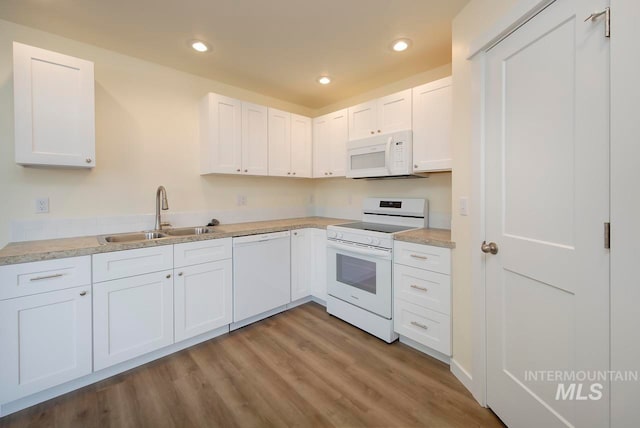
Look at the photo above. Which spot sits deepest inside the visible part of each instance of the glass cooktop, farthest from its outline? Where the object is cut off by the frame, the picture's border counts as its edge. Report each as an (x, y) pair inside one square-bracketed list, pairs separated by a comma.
[(375, 227)]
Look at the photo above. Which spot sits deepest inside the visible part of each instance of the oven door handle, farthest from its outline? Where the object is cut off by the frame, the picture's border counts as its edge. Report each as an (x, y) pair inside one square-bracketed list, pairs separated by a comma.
[(381, 254)]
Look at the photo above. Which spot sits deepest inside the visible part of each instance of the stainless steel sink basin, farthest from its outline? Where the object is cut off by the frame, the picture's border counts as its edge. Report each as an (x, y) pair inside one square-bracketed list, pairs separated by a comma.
[(187, 231), (131, 237)]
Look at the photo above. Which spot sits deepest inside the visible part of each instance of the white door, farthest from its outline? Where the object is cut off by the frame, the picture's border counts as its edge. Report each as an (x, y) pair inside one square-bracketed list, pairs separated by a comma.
[(547, 199), (300, 263), (300, 146), (432, 121), (338, 137), (279, 143), (321, 146), (363, 120), (394, 112), (255, 148), (203, 298), (221, 135), (45, 340), (54, 108), (131, 317)]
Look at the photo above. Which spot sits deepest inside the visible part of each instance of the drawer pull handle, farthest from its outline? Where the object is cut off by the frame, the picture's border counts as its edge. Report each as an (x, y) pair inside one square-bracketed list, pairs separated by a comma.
[(416, 256), (168, 276), (417, 324), (417, 287), (40, 278), (83, 293), (181, 273)]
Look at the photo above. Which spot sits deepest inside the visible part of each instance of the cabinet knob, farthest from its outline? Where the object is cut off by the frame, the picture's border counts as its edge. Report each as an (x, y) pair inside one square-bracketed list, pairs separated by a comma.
[(83, 293), (415, 166), (238, 170), (294, 173), (326, 173), (372, 132), (288, 173), (168, 276), (295, 233), (379, 131), (181, 273), (88, 160), (246, 170), (331, 173)]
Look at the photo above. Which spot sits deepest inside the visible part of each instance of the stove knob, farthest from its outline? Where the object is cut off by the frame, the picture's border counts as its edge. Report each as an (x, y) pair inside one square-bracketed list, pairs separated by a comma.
[(376, 241), (331, 234), (339, 235), (369, 241)]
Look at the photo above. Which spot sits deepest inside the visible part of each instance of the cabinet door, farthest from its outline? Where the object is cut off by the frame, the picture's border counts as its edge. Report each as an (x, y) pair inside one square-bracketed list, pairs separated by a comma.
[(338, 136), (279, 143), (319, 264), (432, 116), (203, 298), (300, 146), (363, 120), (54, 108), (321, 146), (132, 316), (220, 135), (394, 112), (300, 263), (255, 148), (45, 341)]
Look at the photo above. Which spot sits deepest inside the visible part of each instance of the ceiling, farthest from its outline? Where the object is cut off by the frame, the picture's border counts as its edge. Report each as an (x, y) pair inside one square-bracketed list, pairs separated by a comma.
[(274, 47)]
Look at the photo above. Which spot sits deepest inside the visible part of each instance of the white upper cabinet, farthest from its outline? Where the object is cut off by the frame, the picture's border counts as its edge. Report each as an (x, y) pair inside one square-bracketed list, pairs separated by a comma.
[(279, 143), (387, 114), (330, 135), (255, 148), (54, 108), (301, 146), (220, 135), (289, 144), (432, 121), (233, 136)]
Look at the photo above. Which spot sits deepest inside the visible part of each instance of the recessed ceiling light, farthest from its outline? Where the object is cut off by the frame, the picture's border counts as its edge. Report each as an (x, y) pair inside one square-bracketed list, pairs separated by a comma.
[(401, 45), (324, 80), (199, 46)]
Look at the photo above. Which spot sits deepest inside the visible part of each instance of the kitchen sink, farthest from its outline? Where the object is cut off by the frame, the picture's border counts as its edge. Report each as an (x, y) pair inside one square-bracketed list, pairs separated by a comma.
[(131, 237), (187, 231)]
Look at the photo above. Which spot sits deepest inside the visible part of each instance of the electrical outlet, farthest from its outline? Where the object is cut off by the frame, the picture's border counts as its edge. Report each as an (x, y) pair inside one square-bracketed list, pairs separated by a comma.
[(42, 205), (242, 200)]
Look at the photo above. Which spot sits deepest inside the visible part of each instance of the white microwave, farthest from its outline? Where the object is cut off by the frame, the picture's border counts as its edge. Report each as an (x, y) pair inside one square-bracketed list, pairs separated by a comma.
[(385, 155)]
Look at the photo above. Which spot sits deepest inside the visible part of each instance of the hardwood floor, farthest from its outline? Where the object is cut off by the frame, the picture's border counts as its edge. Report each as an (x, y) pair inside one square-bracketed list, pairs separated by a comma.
[(300, 368)]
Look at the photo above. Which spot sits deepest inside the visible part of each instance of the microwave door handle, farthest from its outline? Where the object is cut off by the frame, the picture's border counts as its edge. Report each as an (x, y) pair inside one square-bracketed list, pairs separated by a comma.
[(388, 154)]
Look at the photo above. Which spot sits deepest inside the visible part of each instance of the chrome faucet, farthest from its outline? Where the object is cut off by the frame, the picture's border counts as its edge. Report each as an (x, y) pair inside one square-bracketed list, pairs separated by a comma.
[(160, 193)]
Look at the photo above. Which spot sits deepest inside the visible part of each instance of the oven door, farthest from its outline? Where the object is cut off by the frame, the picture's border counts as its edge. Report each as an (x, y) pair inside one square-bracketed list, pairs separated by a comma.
[(360, 275), (368, 160)]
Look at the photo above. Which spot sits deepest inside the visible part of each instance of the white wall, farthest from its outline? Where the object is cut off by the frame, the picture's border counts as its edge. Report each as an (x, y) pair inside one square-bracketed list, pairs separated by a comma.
[(625, 228), (472, 22), (146, 135)]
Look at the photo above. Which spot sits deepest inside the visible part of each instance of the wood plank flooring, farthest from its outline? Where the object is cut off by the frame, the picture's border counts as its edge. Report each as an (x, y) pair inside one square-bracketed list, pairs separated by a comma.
[(301, 368)]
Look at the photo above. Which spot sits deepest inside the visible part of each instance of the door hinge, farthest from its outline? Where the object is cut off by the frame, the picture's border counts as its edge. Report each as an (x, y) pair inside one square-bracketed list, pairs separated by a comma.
[(607, 235), (607, 19)]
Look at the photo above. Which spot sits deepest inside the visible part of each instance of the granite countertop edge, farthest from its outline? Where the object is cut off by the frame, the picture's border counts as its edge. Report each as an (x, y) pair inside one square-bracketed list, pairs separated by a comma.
[(33, 251)]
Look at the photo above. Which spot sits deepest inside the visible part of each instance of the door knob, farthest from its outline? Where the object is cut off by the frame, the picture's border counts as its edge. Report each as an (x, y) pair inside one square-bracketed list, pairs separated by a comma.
[(491, 247)]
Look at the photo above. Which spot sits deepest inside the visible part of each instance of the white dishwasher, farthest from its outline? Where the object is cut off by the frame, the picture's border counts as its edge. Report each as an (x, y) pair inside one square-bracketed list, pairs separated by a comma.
[(261, 273)]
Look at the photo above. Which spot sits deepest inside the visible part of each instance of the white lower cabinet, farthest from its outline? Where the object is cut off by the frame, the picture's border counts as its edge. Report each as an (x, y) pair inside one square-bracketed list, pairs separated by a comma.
[(45, 340), (301, 263), (131, 317), (422, 295), (203, 292)]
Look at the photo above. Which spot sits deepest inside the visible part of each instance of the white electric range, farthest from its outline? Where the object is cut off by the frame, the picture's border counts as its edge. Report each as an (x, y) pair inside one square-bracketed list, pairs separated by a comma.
[(360, 261)]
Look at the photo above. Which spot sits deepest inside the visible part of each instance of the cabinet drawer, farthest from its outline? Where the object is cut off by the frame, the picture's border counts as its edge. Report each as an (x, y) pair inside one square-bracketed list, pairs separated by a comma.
[(193, 253), (428, 289), (25, 279), (120, 264), (435, 259), (425, 326)]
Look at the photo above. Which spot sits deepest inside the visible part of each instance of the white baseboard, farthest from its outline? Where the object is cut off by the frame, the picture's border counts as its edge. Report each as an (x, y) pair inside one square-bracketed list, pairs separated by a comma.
[(425, 349), (319, 301), (245, 322), (299, 302), (463, 376)]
